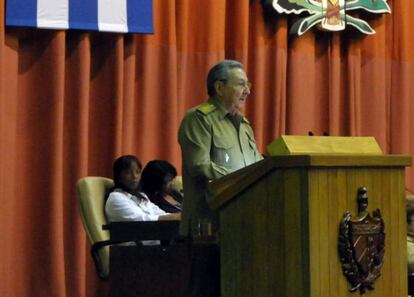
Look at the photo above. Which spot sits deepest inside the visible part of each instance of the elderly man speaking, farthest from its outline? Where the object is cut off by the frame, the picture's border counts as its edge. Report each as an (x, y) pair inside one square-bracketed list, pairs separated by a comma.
[(215, 139)]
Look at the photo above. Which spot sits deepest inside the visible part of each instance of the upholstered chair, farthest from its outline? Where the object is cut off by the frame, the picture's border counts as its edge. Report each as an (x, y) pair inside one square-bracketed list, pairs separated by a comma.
[(91, 192)]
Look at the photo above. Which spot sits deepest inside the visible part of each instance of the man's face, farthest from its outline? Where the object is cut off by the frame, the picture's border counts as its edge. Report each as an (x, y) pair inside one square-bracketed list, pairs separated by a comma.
[(235, 90)]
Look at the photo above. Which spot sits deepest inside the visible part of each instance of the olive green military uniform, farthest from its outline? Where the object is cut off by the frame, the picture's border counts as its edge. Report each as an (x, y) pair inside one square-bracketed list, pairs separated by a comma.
[(213, 144)]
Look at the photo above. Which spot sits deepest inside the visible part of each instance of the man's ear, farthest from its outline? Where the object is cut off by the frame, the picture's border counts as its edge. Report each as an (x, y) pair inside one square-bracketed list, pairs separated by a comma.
[(218, 86)]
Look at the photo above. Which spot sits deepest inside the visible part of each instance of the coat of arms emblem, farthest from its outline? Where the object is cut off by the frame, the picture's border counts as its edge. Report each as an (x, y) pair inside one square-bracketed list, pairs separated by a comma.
[(361, 245), (329, 15)]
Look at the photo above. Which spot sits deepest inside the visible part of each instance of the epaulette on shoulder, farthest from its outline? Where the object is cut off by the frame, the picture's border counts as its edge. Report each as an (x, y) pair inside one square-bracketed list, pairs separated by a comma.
[(206, 108), (244, 119)]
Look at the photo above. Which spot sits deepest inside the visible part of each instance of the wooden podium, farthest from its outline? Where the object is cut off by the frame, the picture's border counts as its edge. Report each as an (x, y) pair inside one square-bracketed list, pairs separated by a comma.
[(280, 217)]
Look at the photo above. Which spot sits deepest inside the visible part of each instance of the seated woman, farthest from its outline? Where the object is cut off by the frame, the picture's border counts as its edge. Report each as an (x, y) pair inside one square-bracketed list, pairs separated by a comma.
[(125, 202), (156, 182)]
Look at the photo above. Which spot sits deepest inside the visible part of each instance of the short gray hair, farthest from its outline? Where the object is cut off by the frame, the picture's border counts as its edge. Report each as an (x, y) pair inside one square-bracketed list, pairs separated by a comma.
[(220, 72)]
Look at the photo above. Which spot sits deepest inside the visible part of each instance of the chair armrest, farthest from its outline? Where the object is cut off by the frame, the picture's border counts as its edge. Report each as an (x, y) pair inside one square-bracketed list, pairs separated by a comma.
[(136, 231), (121, 232), (95, 248)]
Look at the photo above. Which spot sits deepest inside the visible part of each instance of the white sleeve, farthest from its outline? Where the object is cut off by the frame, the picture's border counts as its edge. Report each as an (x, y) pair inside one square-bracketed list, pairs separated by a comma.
[(121, 208), (154, 209)]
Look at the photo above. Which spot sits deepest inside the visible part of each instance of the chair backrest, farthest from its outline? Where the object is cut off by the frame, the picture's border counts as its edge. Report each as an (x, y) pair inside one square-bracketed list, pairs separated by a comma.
[(178, 183), (91, 194)]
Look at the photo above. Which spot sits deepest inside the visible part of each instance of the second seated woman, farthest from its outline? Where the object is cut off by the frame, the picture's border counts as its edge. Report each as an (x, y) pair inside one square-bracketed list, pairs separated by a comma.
[(157, 181)]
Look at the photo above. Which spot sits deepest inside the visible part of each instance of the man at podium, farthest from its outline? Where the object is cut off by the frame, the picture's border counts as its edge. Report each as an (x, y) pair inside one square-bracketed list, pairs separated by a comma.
[(215, 139)]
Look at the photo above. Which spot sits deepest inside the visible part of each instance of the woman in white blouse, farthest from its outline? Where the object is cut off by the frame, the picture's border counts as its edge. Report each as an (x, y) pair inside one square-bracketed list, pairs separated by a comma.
[(125, 202)]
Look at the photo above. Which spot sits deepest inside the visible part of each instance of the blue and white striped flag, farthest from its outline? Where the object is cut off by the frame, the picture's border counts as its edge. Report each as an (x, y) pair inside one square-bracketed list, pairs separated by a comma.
[(125, 16)]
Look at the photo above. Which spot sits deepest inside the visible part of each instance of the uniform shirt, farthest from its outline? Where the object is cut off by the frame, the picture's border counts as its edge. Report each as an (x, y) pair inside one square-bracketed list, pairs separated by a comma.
[(213, 144)]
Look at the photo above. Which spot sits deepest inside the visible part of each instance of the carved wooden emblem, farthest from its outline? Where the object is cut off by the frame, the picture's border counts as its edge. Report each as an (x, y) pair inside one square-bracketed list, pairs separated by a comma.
[(361, 245), (329, 15)]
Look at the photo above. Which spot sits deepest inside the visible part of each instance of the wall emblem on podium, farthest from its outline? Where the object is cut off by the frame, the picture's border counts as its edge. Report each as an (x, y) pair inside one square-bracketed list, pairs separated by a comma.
[(361, 245), (328, 15)]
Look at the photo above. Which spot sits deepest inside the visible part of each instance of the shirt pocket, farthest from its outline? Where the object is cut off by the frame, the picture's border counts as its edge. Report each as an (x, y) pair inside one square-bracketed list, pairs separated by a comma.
[(221, 142), (221, 150)]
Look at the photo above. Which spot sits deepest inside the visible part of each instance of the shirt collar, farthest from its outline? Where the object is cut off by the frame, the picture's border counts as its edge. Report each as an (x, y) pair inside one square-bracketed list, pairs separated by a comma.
[(129, 195), (123, 192), (219, 107), (223, 111)]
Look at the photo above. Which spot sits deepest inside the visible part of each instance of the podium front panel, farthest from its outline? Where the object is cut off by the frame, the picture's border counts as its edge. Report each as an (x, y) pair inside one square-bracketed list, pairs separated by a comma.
[(279, 236)]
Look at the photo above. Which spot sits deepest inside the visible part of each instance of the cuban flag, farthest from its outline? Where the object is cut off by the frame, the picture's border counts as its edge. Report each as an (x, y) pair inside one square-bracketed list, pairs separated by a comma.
[(124, 16)]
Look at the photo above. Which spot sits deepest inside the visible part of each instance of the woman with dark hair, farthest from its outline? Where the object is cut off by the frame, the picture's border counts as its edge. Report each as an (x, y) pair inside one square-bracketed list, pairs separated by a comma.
[(156, 182), (125, 202)]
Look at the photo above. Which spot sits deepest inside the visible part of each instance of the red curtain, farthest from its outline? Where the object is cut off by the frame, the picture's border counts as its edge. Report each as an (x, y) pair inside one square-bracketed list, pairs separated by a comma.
[(71, 102)]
